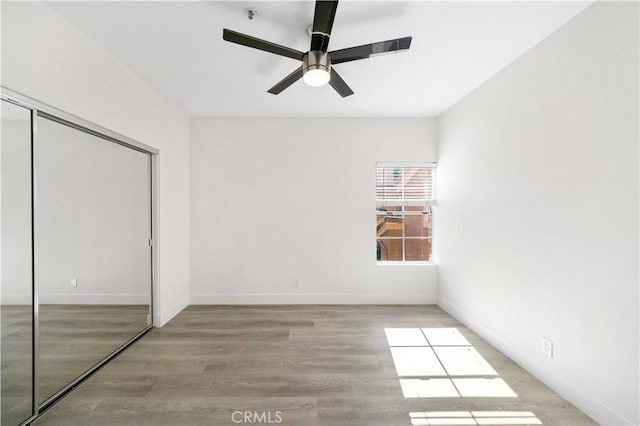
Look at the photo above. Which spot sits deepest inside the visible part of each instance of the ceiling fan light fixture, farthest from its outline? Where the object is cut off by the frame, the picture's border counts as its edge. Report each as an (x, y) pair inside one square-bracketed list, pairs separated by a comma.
[(316, 66), (316, 77)]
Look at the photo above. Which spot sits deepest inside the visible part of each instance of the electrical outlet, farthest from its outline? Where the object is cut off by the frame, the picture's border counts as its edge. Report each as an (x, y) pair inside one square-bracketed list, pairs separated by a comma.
[(74, 282), (296, 283), (547, 347)]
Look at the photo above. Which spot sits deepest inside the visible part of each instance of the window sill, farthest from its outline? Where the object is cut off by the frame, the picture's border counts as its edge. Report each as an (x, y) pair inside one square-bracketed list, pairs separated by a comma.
[(401, 263)]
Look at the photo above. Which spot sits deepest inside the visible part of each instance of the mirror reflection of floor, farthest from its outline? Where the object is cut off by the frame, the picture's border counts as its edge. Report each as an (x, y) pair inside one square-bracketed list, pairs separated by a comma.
[(73, 338), (15, 365)]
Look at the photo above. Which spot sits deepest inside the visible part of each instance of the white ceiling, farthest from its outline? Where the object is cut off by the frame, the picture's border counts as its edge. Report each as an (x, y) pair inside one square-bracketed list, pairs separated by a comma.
[(178, 48)]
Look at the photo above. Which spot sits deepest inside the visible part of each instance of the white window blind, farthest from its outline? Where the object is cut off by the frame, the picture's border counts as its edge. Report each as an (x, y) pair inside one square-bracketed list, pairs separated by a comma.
[(404, 185)]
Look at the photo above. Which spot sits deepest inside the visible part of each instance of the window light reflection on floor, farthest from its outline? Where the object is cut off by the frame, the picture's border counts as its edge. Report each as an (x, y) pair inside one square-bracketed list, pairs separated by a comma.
[(473, 418), (484, 388), (416, 361), (423, 355), (428, 388), (444, 337), (452, 388), (405, 337), (463, 361)]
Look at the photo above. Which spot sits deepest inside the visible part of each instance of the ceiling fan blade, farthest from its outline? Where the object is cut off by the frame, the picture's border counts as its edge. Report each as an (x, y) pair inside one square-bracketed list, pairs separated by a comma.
[(256, 43), (368, 50), (339, 85), (286, 82), (323, 18)]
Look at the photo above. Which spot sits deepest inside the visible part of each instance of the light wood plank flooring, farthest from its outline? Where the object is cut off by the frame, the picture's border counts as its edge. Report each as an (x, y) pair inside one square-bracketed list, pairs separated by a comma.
[(314, 365)]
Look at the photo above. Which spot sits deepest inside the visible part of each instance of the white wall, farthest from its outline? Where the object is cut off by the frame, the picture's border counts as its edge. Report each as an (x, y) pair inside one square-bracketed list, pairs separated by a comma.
[(537, 233), (45, 57), (278, 199)]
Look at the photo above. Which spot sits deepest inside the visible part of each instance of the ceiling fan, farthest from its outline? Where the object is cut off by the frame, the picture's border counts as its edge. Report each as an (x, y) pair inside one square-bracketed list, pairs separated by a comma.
[(316, 68)]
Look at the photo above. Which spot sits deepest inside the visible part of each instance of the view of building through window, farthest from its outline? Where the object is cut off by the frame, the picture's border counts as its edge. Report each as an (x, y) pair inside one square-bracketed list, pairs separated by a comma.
[(404, 195)]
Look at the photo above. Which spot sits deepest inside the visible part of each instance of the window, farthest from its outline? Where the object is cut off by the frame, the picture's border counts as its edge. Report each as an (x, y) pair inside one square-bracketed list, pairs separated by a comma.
[(404, 196)]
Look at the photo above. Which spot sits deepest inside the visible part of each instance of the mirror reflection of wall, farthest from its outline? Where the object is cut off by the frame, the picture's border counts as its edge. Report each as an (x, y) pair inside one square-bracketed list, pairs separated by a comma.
[(16, 321), (94, 258)]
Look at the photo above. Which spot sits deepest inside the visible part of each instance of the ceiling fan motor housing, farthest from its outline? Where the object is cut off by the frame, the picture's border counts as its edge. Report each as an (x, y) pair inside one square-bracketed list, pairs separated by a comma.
[(316, 60)]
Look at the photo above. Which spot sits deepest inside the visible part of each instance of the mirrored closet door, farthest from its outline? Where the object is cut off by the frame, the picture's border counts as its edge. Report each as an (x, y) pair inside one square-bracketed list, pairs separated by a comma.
[(16, 276), (76, 250), (94, 257)]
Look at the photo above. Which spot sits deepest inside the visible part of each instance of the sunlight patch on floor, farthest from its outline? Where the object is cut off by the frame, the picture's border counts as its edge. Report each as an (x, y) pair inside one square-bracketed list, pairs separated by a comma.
[(421, 355), (416, 361), (455, 418)]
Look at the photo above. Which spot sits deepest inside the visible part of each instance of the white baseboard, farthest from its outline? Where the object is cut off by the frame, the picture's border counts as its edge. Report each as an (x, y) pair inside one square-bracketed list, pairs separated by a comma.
[(165, 315), (312, 299), (92, 299), (585, 402)]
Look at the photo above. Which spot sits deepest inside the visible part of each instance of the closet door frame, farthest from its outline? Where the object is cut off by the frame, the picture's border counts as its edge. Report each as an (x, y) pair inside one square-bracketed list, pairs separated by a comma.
[(40, 109)]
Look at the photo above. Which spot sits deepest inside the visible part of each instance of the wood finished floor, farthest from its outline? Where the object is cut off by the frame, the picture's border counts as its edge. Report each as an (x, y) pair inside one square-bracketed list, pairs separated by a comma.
[(316, 365)]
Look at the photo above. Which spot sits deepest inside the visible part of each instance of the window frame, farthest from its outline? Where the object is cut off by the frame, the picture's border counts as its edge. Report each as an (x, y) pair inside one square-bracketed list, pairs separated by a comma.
[(402, 203)]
